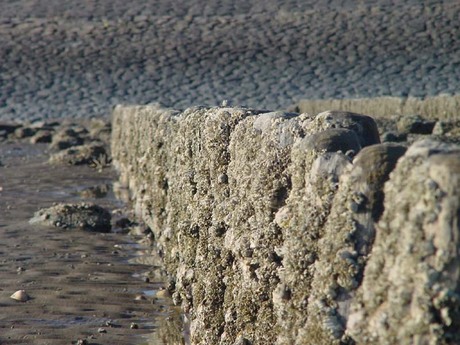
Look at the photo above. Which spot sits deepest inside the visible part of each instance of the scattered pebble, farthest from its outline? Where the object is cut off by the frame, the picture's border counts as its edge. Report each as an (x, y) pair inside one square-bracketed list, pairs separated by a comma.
[(163, 294), (91, 154), (65, 139), (134, 325), (84, 216), (24, 132), (124, 223), (109, 323), (42, 136), (20, 296)]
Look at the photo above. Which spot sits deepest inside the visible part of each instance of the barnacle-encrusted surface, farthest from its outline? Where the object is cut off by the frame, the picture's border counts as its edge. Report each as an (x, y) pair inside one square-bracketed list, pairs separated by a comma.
[(266, 222), (86, 216), (409, 293)]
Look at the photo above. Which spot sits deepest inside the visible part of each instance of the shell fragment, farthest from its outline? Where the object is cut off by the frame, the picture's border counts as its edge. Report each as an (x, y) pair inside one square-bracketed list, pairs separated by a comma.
[(20, 296)]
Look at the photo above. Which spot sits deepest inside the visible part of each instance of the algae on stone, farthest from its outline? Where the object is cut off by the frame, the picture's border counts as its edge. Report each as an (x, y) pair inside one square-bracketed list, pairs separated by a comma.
[(86, 216)]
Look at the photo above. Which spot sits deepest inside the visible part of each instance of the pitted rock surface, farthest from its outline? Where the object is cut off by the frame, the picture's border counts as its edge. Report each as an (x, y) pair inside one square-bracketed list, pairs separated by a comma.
[(83, 216), (285, 228)]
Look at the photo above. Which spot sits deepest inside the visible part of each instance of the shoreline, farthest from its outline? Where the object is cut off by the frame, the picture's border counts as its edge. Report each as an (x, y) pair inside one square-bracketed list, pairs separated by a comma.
[(82, 285)]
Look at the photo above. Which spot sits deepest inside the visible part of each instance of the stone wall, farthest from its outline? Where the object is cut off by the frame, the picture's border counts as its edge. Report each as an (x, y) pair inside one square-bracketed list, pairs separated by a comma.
[(296, 229)]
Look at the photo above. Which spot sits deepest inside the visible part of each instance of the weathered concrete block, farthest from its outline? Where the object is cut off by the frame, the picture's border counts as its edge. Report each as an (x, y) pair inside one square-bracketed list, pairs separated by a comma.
[(345, 243), (364, 126), (267, 221), (319, 161), (409, 294), (142, 144), (259, 184)]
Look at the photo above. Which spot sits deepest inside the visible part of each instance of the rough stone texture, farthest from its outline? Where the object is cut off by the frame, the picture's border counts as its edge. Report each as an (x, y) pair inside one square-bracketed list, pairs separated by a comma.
[(442, 107), (84, 216), (258, 185), (266, 222), (24, 132), (415, 124), (42, 136), (93, 153), (65, 138), (409, 293), (341, 246), (447, 128)]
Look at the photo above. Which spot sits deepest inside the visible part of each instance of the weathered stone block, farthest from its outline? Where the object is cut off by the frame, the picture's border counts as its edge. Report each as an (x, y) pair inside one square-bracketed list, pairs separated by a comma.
[(290, 229)]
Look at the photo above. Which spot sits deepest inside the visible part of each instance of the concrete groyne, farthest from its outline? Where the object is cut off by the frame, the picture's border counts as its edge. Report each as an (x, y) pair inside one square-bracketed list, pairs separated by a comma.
[(285, 228), (439, 107)]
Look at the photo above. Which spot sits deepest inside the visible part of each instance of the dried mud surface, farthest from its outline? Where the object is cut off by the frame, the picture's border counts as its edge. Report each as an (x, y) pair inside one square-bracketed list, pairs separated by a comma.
[(78, 281)]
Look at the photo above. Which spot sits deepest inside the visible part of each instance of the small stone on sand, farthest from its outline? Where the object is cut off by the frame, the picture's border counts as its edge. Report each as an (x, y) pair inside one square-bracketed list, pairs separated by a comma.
[(20, 296)]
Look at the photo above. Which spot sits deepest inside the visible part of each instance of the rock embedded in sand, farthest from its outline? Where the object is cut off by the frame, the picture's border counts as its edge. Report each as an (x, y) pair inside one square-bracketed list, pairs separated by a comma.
[(8, 128), (93, 153), (415, 124), (42, 136), (65, 138), (84, 216), (24, 132), (100, 130), (95, 192)]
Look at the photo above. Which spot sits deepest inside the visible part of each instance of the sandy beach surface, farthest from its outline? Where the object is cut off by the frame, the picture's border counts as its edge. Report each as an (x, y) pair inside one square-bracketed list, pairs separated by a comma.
[(82, 285), (79, 59)]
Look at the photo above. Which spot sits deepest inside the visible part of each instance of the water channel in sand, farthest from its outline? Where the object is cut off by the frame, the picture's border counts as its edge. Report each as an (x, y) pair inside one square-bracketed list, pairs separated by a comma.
[(82, 285)]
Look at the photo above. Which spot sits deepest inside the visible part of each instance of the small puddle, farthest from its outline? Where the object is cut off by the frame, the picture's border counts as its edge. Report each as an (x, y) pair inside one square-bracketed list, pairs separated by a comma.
[(82, 285), (150, 293)]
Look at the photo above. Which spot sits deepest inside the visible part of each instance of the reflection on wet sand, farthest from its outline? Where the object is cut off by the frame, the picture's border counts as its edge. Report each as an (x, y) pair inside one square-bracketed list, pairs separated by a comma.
[(82, 285)]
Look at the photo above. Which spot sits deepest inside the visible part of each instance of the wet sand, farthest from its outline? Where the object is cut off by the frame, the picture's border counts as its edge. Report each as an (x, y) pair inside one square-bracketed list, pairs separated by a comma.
[(80, 283), (79, 59)]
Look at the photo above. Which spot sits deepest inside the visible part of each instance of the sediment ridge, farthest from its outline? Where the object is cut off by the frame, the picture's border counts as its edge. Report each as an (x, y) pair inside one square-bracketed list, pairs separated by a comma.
[(287, 228), (68, 58)]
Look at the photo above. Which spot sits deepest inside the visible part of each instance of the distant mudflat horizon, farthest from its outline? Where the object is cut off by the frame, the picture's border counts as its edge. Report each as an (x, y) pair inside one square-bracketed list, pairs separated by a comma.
[(73, 59)]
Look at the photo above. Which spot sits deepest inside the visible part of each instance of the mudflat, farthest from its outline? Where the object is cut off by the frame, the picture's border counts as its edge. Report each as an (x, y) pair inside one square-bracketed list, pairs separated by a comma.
[(68, 58), (83, 287)]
